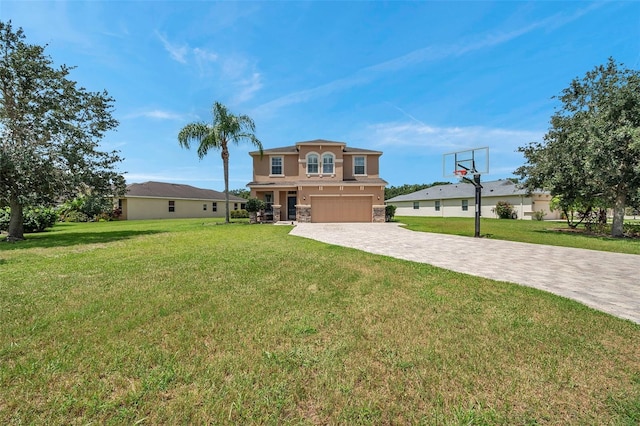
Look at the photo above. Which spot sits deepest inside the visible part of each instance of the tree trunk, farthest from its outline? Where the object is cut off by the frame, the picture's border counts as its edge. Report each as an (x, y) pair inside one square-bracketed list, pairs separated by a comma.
[(618, 215), (225, 166), (16, 224)]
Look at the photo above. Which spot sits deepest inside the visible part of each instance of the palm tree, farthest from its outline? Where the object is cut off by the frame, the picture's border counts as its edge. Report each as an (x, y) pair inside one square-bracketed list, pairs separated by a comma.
[(225, 128)]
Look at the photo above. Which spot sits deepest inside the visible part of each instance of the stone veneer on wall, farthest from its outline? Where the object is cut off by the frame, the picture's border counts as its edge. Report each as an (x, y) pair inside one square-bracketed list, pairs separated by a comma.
[(303, 213), (276, 212), (379, 214)]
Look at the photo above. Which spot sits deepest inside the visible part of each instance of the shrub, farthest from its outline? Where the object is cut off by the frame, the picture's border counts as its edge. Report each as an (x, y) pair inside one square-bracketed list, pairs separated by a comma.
[(504, 210), (631, 230), (389, 212), (74, 216), (239, 214), (86, 208), (539, 215), (34, 219), (254, 205)]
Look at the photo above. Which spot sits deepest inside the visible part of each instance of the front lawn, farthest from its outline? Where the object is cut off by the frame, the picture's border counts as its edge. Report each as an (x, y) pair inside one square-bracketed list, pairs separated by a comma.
[(189, 322)]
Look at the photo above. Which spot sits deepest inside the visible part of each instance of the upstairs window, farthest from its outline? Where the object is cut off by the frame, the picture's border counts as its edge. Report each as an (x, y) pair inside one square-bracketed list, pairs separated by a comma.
[(359, 166), (327, 164), (276, 166), (312, 164)]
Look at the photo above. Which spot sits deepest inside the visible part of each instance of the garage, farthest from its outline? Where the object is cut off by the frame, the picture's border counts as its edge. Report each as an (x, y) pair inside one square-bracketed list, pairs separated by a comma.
[(341, 209)]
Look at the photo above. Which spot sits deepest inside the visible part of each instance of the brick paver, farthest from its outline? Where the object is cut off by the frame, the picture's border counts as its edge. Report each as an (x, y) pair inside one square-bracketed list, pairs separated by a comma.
[(609, 282)]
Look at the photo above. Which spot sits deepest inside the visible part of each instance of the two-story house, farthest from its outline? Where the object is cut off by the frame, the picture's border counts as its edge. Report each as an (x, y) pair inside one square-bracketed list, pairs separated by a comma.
[(320, 181)]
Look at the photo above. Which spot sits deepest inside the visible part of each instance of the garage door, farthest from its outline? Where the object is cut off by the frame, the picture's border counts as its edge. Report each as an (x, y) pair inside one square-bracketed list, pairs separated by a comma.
[(341, 209)]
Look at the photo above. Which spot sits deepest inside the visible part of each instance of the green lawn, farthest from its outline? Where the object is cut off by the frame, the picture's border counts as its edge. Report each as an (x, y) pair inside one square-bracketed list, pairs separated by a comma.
[(526, 231), (189, 322)]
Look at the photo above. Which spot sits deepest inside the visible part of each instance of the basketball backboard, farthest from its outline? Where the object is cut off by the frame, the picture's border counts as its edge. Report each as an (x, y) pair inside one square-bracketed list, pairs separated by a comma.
[(466, 163)]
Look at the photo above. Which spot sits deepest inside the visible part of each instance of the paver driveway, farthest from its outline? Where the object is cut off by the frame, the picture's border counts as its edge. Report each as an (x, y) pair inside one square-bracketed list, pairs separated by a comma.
[(606, 281)]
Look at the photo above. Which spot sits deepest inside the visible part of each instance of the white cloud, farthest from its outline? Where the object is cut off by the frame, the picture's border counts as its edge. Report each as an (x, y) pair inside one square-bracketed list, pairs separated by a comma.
[(248, 87), (177, 52), (155, 114), (204, 55), (444, 139), (235, 70), (184, 53)]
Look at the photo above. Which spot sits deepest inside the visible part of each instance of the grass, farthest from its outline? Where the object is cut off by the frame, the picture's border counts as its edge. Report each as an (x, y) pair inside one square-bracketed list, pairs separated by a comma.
[(177, 321), (526, 231)]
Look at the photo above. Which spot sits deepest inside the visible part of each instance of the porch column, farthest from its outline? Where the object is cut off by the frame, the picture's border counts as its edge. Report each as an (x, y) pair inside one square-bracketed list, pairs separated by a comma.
[(276, 212)]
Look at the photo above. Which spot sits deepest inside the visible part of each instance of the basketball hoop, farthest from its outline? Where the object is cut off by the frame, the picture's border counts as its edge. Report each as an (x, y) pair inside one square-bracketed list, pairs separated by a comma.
[(460, 173)]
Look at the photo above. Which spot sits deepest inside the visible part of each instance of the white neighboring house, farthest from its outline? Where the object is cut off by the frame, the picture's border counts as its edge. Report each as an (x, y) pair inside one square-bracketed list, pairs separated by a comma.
[(159, 200), (458, 200)]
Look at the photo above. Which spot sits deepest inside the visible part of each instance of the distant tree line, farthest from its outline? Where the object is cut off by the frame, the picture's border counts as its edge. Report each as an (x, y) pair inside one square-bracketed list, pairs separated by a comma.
[(394, 191), (242, 193)]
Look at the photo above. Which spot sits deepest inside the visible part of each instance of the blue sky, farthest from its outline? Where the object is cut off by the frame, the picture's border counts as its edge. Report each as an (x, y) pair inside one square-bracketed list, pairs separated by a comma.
[(414, 80)]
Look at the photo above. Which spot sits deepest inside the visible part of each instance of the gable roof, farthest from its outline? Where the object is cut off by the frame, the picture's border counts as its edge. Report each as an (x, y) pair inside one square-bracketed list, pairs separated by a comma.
[(176, 190), (496, 188)]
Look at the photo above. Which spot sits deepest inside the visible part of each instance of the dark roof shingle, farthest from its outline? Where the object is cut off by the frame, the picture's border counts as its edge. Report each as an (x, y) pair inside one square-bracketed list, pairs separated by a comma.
[(496, 188), (176, 190)]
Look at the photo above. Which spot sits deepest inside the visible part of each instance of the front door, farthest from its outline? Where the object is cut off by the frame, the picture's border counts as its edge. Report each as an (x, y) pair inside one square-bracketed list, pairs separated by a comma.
[(291, 208)]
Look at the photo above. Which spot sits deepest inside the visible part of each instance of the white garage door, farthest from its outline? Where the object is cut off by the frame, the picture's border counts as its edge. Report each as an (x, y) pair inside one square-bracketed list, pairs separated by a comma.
[(341, 209)]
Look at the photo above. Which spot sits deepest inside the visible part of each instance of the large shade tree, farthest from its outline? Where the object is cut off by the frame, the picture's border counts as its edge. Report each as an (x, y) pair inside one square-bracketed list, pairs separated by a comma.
[(50, 131), (225, 128), (591, 154)]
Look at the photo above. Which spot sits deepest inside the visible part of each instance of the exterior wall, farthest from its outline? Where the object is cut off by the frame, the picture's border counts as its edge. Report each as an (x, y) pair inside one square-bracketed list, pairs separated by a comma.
[(338, 164), (372, 165), (426, 208), (524, 207), (124, 205), (262, 167), (543, 202), (158, 208), (453, 207)]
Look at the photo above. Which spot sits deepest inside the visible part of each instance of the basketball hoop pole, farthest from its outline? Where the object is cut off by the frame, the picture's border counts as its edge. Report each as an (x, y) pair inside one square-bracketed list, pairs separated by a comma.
[(476, 183)]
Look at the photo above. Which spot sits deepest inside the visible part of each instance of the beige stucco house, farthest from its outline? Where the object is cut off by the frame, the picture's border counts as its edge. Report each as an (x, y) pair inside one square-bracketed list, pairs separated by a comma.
[(320, 181), (159, 200), (458, 200)]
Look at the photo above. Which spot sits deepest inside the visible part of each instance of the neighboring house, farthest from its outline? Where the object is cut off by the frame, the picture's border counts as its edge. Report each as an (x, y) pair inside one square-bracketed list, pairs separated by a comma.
[(319, 181), (158, 200), (458, 200)]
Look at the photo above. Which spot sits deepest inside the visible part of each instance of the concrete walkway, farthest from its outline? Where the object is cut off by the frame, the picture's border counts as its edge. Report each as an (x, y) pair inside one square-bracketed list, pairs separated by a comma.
[(609, 282)]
